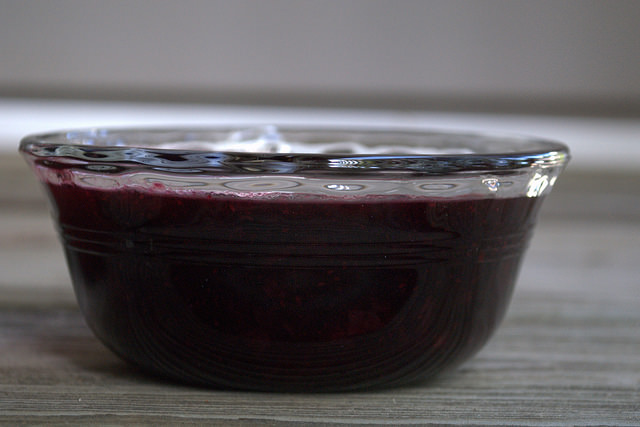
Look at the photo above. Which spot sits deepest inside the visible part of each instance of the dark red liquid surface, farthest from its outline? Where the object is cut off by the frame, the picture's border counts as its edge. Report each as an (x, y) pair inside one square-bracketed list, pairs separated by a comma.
[(291, 292)]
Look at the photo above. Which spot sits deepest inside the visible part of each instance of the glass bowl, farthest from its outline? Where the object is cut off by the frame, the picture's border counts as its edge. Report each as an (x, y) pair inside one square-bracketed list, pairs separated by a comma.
[(293, 259)]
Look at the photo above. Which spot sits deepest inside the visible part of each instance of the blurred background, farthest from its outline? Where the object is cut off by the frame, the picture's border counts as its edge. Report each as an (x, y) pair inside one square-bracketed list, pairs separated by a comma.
[(562, 69), (484, 55)]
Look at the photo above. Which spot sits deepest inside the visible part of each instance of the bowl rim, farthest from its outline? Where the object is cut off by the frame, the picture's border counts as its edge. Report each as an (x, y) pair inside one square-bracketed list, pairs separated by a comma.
[(91, 145)]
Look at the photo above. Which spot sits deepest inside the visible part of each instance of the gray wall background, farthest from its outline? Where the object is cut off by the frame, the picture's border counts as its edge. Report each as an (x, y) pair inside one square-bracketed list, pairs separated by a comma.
[(544, 56)]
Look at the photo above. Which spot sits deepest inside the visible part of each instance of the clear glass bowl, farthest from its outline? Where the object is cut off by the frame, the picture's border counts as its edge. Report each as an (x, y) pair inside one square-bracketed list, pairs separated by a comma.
[(293, 259)]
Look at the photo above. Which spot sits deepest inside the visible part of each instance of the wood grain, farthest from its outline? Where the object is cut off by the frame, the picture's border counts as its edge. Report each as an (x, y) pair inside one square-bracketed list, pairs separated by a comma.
[(568, 352)]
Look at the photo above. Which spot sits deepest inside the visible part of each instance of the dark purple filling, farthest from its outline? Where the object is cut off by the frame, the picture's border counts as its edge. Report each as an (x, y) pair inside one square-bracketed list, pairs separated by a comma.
[(291, 292)]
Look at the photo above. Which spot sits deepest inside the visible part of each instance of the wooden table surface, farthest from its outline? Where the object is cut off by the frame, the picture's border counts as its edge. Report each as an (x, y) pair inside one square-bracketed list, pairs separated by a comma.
[(568, 352)]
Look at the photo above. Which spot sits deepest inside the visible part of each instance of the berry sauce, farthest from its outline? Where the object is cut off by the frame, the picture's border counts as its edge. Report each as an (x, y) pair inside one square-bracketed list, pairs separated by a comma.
[(291, 291)]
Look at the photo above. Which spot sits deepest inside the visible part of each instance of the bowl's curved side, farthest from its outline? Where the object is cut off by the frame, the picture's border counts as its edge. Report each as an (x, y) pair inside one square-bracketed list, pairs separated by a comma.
[(292, 296)]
